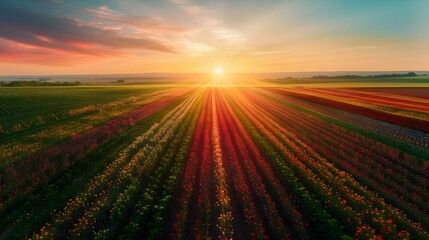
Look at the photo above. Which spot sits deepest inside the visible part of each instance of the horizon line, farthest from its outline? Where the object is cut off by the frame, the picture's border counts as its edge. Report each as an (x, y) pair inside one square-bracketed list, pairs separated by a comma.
[(227, 73)]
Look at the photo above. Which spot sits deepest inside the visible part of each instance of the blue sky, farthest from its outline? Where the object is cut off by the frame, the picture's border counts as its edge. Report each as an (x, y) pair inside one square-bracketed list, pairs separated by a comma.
[(59, 36)]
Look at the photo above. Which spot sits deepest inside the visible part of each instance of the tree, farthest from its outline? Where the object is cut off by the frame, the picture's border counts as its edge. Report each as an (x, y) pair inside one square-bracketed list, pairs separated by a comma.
[(44, 79)]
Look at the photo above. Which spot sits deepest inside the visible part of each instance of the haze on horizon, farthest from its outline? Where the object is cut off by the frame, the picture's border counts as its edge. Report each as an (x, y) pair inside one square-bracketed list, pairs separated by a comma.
[(97, 37)]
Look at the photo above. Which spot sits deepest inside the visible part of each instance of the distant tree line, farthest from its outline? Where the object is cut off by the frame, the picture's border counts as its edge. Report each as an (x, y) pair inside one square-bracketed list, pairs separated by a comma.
[(37, 83), (410, 74), (393, 75), (118, 82)]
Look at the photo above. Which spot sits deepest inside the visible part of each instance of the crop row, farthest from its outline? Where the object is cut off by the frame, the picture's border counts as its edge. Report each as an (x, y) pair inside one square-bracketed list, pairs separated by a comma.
[(20, 178), (382, 155), (414, 137), (111, 195), (413, 123), (221, 163), (241, 193), (46, 130), (375, 99), (342, 195), (289, 174)]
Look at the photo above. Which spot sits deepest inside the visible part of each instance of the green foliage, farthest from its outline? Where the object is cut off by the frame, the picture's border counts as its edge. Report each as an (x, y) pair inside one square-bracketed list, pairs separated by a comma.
[(65, 185), (394, 75), (37, 83)]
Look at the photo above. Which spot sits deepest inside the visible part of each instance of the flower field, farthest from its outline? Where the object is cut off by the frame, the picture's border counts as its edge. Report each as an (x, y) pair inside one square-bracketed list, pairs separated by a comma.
[(216, 162)]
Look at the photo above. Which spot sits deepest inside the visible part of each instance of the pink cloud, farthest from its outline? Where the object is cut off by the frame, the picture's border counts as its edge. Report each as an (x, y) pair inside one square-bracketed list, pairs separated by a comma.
[(142, 23), (15, 52), (60, 37)]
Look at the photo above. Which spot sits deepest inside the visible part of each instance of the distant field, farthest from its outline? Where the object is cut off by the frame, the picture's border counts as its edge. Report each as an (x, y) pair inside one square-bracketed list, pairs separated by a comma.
[(32, 118), (23, 103), (285, 160), (420, 92)]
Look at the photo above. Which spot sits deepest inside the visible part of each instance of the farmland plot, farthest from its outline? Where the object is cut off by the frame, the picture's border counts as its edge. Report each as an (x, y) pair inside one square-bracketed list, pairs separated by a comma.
[(222, 163)]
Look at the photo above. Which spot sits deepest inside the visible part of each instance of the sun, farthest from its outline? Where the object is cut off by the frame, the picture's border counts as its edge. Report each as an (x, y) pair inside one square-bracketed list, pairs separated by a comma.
[(219, 70)]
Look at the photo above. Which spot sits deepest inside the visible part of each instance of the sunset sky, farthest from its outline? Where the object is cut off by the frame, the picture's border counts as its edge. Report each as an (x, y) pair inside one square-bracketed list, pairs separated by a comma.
[(131, 36)]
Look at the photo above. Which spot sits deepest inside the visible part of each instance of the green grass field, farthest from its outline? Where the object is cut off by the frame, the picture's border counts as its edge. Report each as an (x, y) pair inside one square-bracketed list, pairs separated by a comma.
[(32, 118)]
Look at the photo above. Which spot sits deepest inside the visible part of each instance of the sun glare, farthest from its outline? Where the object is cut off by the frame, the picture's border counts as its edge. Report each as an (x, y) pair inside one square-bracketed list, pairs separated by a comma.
[(218, 70)]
